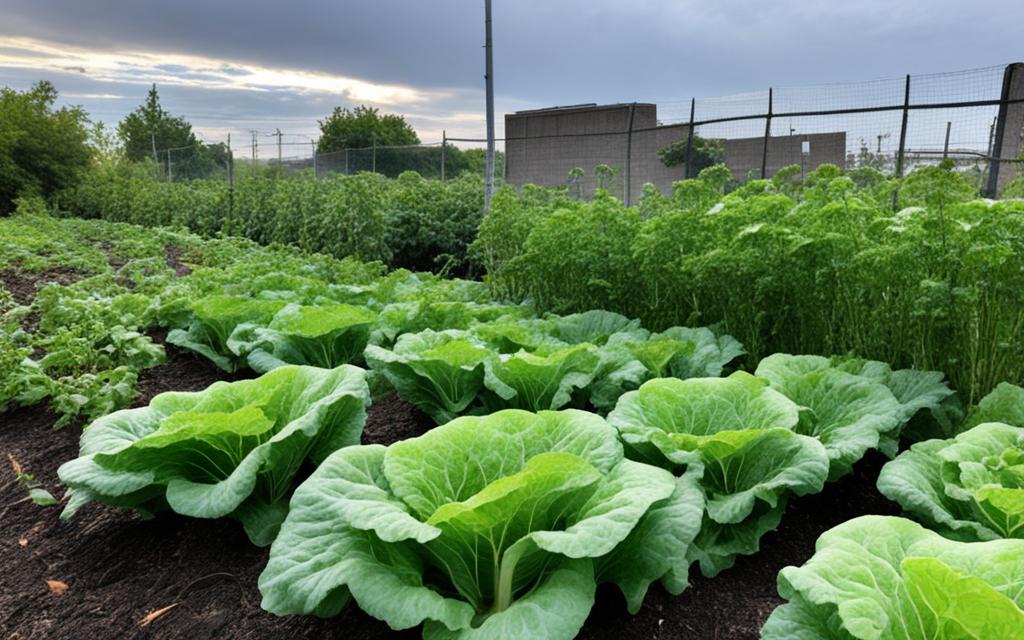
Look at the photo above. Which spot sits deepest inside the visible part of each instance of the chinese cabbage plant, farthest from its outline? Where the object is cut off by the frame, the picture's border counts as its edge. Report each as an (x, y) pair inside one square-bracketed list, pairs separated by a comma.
[(213, 321), (630, 358), (743, 435), (441, 372), (543, 363), (498, 526), (1004, 404), (884, 578), (230, 450), (968, 488), (322, 336)]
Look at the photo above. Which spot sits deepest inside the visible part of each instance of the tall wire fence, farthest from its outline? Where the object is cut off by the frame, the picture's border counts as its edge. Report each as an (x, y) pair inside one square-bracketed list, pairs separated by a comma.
[(974, 118)]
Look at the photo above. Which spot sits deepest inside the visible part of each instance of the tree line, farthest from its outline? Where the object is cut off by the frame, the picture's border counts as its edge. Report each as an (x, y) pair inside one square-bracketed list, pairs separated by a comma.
[(45, 149)]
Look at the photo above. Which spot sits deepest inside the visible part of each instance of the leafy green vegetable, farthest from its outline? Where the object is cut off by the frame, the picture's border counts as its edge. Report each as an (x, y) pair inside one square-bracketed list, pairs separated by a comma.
[(854, 405), (231, 450), (324, 337), (541, 380), (496, 526), (629, 358), (441, 372), (742, 434), (213, 321), (847, 412), (1005, 404), (968, 488), (594, 327), (878, 577), (90, 395)]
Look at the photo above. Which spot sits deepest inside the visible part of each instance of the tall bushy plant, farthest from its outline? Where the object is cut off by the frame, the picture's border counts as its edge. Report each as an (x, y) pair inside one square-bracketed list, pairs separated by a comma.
[(821, 266)]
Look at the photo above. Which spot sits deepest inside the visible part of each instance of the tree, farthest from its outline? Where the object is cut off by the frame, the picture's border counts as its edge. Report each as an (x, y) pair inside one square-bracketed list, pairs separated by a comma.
[(150, 126), (476, 162), (707, 152), (363, 127), (42, 149)]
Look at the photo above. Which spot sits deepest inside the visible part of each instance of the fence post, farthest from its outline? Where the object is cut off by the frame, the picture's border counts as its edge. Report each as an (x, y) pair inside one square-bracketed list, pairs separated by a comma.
[(767, 135), (945, 146), (629, 157), (373, 165), (903, 129), (170, 178), (444, 144), (997, 142), (231, 188), (312, 144), (687, 172), (346, 161)]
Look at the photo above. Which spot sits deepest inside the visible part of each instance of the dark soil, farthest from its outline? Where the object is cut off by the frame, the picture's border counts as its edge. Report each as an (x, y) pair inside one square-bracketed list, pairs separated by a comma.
[(115, 261), (118, 568), (23, 285), (174, 261)]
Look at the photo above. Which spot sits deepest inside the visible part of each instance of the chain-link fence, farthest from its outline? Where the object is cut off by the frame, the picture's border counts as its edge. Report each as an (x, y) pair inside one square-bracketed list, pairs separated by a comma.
[(282, 157), (974, 118)]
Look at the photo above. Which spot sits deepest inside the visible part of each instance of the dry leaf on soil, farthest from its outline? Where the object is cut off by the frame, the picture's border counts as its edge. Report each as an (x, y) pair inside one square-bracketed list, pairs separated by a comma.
[(153, 615), (57, 587)]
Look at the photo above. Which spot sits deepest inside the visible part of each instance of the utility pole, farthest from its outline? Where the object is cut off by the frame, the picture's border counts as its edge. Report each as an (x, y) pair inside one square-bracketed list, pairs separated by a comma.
[(489, 76)]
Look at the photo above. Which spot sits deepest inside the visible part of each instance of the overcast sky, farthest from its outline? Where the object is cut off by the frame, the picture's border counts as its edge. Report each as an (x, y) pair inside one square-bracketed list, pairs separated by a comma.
[(232, 66)]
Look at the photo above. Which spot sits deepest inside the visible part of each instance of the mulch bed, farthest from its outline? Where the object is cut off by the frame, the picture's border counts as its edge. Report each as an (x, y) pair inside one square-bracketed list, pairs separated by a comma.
[(118, 568)]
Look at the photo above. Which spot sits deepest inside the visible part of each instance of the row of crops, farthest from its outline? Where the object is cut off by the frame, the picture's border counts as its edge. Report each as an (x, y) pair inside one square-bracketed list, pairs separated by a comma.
[(917, 272), (827, 265), (409, 222)]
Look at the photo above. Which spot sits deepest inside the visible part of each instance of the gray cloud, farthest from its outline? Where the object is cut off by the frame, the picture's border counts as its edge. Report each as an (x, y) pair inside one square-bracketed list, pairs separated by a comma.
[(545, 52)]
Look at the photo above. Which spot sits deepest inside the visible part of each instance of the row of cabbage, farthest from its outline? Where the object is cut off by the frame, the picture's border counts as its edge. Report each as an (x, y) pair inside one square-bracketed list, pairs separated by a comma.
[(498, 358), (503, 525)]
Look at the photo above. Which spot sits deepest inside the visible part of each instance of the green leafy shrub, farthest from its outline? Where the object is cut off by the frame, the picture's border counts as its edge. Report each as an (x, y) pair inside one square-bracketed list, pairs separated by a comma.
[(231, 450), (492, 527), (819, 266)]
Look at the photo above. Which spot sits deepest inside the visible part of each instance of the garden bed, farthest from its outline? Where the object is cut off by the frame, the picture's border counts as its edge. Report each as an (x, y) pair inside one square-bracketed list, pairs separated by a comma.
[(119, 568)]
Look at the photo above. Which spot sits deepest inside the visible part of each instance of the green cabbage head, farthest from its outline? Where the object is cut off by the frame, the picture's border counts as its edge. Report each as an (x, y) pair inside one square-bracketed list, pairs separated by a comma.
[(230, 450), (968, 488), (743, 435), (213, 321), (324, 336), (487, 527), (884, 578)]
